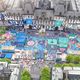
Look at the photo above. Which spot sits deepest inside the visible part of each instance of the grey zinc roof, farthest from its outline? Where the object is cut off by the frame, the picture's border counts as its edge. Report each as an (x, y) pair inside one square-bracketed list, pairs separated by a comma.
[(15, 10)]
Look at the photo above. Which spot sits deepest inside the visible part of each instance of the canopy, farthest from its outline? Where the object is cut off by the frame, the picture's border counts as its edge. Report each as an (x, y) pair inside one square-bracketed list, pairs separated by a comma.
[(58, 23), (28, 21)]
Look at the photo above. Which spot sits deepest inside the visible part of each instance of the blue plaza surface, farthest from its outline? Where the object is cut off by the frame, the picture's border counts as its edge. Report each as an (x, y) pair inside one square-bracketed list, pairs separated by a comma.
[(20, 39), (42, 34), (51, 43)]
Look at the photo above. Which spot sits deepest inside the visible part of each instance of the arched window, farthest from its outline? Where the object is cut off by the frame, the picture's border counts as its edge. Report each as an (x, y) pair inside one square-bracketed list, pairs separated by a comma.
[(69, 16), (60, 13), (53, 10), (9, 14), (37, 17), (74, 17), (27, 11), (50, 18), (14, 15), (19, 15)]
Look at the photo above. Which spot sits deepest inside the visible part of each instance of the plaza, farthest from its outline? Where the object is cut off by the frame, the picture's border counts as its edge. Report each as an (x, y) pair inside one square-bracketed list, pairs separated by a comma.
[(40, 33)]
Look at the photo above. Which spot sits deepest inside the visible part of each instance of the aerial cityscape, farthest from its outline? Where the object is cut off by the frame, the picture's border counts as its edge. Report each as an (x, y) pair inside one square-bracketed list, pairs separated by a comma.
[(39, 39)]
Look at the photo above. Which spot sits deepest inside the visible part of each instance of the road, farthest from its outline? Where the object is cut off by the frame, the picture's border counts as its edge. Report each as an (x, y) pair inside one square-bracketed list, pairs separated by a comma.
[(35, 72), (36, 69)]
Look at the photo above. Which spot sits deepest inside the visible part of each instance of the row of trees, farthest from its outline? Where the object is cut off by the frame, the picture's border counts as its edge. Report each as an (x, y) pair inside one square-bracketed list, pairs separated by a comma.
[(67, 65), (25, 75), (71, 61), (5, 60), (45, 74)]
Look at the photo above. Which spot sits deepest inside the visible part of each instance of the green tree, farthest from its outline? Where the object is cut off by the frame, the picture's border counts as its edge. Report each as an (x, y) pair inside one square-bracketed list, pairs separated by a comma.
[(8, 60), (71, 64), (65, 65), (76, 59), (58, 65), (45, 74), (5, 60), (24, 78), (2, 30), (25, 75), (70, 58), (73, 59)]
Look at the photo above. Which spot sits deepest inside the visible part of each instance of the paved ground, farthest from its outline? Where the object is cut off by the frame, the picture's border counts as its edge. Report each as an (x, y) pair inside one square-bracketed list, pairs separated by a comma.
[(36, 68), (35, 79), (35, 72)]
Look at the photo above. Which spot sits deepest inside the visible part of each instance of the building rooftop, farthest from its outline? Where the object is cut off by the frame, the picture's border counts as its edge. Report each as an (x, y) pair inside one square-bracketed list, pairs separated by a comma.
[(9, 71)]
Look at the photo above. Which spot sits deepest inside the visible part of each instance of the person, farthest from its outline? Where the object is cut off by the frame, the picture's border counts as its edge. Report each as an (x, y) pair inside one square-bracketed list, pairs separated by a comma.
[(56, 28), (63, 29)]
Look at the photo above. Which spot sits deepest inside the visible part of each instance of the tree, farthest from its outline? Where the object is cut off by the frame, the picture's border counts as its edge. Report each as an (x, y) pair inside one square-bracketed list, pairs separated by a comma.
[(68, 65), (2, 30), (25, 72), (45, 74), (58, 65), (70, 58), (73, 59), (25, 75), (5, 60), (8, 60), (76, 59), (24, 78)]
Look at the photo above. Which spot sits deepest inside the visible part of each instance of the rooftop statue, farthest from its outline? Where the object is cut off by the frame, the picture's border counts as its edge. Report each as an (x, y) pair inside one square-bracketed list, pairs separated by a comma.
[(44, 4)]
